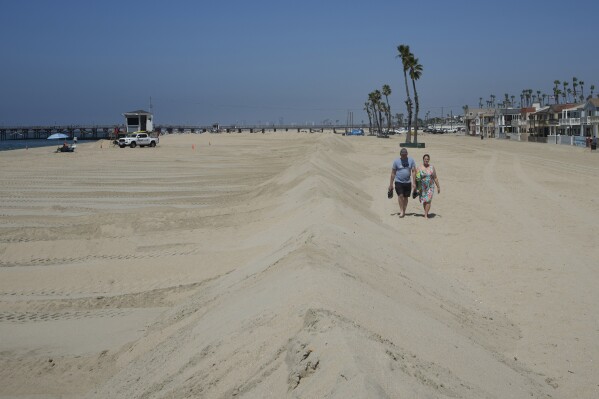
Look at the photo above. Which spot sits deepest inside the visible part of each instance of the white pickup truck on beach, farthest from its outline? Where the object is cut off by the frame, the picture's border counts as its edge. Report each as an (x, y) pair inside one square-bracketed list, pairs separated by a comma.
[(141, 139)]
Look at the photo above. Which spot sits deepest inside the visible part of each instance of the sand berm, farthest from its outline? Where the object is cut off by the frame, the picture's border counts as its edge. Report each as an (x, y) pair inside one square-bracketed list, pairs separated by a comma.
[(274, 266)]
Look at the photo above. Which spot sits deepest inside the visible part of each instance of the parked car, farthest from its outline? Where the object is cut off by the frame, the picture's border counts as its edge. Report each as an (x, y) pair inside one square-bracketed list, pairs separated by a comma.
[(355, 132)]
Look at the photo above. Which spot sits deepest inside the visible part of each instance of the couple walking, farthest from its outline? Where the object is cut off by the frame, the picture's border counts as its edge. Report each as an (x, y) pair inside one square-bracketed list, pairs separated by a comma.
[(408, 179)]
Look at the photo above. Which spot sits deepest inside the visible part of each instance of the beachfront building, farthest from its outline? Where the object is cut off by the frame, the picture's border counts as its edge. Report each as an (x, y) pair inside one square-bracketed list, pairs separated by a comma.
[(556, 123), (590, 118), (480, 121), (546, 121), (507, 122), (139, 120), (569, 121), (524, 124)]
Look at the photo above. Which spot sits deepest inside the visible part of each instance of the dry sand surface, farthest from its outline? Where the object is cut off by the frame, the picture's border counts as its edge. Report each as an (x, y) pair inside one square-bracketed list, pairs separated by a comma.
[(274, 266)]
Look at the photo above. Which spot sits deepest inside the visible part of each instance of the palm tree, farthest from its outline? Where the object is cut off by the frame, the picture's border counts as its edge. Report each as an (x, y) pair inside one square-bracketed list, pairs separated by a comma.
[(565, 92), (527, 93), (592, 89), (399, 118), (581, 83), (513, 98), (367, 109), (404, 54), (558, 93), (544, 96), (373, 100), (480, 102), (555, 91), (415, 74), (376, 95), (383, 110), (387, 93), (574, 86), (570, 94)]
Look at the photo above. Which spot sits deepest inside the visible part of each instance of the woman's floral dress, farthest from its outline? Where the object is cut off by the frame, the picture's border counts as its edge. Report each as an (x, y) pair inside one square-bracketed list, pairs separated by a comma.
[(425, 182)]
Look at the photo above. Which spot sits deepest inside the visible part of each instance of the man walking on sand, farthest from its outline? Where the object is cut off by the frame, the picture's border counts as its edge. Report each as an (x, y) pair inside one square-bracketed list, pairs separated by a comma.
[(403, 176)]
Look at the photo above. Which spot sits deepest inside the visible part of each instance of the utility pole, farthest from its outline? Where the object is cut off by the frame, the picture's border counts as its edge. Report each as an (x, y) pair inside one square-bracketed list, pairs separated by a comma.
[(442, 117)]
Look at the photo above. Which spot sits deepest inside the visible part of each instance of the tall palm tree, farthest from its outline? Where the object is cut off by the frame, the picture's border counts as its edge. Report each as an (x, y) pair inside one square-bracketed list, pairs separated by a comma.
[(399, 118), (581, 83), (383, 111), (377, 109), (574, 86), (387, 93), (555, 91), (404, 54), (558, 93), (565, 91), (592, 90), (480, 102), (415, 74), (367, 109), (373, 100), (513, 98)]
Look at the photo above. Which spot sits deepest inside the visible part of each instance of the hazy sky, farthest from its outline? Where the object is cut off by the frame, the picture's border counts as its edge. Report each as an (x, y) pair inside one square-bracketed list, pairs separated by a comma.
[(267, 61)]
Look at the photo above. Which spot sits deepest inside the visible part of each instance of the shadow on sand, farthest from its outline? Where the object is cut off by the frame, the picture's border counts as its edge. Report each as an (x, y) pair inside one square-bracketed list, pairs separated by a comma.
[(421, 215)]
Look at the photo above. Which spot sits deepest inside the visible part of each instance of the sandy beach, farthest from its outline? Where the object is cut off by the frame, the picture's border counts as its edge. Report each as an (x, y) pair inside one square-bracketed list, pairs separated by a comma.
[(274, 266)]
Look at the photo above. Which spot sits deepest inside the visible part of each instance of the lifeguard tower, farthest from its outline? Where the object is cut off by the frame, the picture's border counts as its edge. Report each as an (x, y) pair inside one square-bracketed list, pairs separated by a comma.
[(139, 121)]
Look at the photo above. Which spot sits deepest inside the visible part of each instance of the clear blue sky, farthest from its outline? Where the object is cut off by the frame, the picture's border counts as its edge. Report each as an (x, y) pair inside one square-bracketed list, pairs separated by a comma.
[(240, 61)]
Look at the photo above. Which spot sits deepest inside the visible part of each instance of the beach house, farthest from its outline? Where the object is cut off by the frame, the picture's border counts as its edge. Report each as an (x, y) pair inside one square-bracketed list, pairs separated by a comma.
[(569, 120), (546, 121), (590, 118), (508, 122), (480, 121)]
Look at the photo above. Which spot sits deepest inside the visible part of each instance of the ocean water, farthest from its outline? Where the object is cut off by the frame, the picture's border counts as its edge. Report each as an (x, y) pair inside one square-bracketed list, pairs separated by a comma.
[(6, 145)]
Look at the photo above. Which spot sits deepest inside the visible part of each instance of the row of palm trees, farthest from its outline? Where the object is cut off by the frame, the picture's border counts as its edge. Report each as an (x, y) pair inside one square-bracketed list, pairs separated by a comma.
[(379, 111), (413, 68), (528, 97), (375, 108)]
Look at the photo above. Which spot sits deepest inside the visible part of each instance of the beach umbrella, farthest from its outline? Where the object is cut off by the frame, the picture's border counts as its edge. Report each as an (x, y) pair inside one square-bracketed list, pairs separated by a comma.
[(57, 136)]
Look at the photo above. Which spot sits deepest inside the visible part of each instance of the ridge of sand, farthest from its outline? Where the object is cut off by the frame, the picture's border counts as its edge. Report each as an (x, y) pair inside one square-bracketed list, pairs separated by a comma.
[(267, 266)]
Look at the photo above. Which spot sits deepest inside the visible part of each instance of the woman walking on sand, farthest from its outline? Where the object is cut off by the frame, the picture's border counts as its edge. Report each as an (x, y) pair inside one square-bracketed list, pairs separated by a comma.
[(426, 178)]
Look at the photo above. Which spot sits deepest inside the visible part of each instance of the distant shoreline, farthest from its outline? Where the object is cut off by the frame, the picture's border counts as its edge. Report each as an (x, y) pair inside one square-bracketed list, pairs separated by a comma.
[(22, 144)]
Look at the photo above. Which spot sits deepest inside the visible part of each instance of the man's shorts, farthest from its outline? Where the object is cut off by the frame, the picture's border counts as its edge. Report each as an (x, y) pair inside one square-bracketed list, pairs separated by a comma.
[(404, 189)]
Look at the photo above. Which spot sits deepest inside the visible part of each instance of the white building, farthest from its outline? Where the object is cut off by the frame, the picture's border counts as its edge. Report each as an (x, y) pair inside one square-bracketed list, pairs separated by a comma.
[(140, 120)]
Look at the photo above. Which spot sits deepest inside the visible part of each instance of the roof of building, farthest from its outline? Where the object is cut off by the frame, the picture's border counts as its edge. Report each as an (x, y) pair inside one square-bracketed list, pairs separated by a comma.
[(138, 112), (509, 111), (594, 101), (556, 108)]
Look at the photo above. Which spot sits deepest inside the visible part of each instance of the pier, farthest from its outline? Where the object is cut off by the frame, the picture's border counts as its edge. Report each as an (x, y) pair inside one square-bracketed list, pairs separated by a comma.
[(95, 132)]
